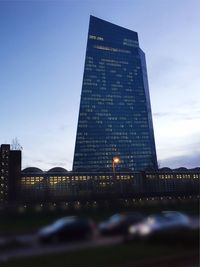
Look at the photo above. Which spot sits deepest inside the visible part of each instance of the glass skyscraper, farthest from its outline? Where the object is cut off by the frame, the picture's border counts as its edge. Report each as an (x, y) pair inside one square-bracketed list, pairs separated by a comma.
[(115, 113)]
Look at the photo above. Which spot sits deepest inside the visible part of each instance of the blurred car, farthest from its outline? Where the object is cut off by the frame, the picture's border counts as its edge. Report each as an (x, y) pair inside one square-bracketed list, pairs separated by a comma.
[(118, 223), (162, 224), (177, 219), (67, 229)]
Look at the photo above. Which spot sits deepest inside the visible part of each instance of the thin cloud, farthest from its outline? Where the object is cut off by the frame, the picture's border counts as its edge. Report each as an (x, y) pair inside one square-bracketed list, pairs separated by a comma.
[(161, 114), (179, 115)]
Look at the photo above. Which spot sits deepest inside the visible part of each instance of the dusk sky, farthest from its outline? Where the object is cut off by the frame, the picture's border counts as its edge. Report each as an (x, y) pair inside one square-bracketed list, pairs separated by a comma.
[(42, 53)]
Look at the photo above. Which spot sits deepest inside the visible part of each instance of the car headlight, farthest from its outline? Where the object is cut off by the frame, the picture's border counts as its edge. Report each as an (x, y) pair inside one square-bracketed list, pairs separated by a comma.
[(132, 230), (145, 230)]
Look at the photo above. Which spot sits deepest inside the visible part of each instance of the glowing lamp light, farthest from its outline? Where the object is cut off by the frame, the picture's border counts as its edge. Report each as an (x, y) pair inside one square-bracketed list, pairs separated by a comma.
[(116, 160)]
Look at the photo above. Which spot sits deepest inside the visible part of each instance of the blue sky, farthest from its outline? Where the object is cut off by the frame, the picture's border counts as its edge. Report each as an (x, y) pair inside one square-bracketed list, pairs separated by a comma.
[(42, 52)]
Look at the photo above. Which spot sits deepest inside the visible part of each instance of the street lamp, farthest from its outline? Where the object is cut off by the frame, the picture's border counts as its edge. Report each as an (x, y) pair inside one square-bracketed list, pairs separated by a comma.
[(116, 160)]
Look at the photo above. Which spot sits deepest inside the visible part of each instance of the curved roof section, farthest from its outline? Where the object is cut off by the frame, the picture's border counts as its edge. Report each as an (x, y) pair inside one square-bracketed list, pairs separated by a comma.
[(32, 170), (181, 169), (197, 169), (165, 169), (57, 170)]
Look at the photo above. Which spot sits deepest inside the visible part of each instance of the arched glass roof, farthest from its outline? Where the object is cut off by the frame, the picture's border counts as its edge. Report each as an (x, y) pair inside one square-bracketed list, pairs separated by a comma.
[(57, 170), (32, 170), (181, 169), (197, 169), (165, 169)]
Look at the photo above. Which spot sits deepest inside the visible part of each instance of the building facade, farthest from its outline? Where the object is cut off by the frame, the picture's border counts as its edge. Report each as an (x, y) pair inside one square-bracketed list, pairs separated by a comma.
[(10, 174), (59, 185), (32, 185), (115, 114)]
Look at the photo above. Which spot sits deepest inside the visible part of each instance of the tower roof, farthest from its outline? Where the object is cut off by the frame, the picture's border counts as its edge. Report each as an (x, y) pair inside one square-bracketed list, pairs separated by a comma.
[(102, 27)]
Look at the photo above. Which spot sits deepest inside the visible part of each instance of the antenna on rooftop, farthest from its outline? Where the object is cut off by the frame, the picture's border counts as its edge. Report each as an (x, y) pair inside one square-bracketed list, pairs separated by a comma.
[(15, 144)]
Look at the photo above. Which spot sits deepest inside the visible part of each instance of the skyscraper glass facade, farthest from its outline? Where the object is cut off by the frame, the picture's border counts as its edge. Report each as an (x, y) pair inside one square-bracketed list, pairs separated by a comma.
[(115, 114)]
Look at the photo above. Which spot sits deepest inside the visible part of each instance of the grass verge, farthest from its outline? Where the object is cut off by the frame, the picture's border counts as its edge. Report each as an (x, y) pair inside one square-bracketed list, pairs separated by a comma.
[(119, 255)]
